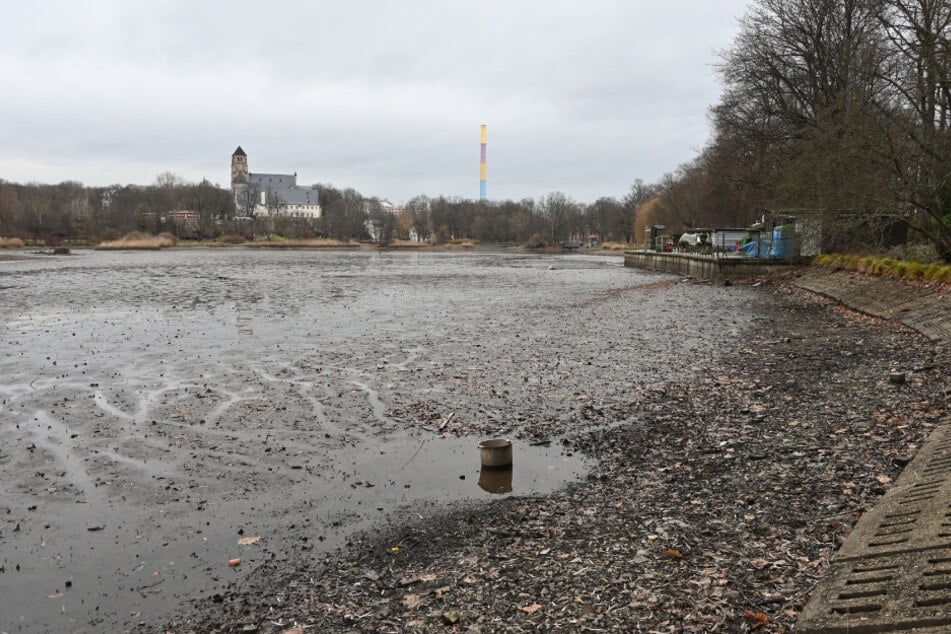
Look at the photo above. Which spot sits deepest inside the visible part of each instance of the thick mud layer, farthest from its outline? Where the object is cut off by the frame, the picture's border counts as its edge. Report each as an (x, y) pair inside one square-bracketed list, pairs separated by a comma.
[(161, 411)]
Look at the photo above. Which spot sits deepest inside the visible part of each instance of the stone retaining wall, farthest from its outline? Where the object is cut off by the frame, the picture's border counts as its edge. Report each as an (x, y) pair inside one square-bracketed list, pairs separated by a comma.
[(717, 270)]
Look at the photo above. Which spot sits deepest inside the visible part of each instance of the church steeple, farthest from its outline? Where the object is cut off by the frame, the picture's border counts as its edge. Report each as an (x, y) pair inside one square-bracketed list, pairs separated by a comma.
[(239, 171)]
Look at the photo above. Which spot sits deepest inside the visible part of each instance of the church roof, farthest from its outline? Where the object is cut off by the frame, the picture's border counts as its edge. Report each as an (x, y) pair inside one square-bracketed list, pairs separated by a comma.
[(273, 180), (299, 196), (239, 152)]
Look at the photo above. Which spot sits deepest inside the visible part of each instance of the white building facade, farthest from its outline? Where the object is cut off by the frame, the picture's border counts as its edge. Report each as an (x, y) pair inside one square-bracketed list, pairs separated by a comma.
[(264, 194)]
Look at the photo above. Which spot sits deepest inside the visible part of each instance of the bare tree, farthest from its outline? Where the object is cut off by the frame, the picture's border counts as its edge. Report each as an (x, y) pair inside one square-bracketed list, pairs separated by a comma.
[(609, 218), (247, 200), (11, 210), (170, 191), (274, 203), (563, 214), (213, 206), (917, 107), (418, 207), (799, 126), (637, 196)]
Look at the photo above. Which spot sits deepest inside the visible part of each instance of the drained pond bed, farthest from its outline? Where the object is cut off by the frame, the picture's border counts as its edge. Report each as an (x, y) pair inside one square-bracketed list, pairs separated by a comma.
[(685, 458)]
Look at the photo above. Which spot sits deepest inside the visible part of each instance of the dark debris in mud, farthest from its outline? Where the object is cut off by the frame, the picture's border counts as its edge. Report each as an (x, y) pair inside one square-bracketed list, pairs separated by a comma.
[(715, 509)]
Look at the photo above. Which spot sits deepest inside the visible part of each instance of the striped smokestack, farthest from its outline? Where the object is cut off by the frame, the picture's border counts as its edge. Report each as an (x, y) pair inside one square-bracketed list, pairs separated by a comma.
[(482, 167)]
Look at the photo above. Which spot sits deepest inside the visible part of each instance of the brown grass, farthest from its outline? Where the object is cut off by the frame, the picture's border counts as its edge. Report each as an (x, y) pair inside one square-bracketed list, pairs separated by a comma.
[(319, 243), (140, 241), (11, 243), (407, 244)]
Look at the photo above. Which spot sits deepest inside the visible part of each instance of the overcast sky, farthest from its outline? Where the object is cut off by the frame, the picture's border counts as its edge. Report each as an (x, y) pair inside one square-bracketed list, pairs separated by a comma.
[(387, 97)]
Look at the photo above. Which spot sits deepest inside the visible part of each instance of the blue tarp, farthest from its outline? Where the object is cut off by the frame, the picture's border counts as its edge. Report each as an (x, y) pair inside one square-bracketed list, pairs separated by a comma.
[(751, 249), (777, 247)]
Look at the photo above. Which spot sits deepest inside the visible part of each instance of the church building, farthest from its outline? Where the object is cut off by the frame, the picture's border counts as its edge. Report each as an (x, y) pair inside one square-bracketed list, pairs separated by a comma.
[(270, 194)]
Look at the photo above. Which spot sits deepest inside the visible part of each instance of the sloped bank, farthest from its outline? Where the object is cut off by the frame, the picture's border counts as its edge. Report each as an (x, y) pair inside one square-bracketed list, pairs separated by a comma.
[(922, 306), (716, 509)]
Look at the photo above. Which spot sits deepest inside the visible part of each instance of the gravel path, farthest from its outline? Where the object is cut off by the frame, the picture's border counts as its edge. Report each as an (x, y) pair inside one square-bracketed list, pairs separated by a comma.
[(715, 508)]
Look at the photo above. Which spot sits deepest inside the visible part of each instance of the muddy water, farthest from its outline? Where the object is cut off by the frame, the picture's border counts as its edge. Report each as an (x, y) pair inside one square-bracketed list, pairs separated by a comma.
[(158, 407)]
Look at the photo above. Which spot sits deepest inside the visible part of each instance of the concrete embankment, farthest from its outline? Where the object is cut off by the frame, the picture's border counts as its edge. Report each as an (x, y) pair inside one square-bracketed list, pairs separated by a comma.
[(703, 267), (893, 573), (925, 308)]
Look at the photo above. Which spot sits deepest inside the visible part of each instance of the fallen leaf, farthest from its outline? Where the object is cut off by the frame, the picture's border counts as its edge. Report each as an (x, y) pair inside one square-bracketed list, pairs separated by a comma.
[(759, 564), (757, 618), (451, 618), (531, 609), (674, 554), (427, 578), (883, 479), (247, 541), (412, 601)]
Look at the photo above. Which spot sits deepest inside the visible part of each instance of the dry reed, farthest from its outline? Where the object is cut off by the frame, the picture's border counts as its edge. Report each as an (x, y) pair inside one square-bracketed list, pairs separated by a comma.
[(139, 241), (301, 244)]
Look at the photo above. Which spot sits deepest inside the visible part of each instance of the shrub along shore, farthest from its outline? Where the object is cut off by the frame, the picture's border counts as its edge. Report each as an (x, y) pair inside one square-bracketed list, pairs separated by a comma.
[(886, 266)]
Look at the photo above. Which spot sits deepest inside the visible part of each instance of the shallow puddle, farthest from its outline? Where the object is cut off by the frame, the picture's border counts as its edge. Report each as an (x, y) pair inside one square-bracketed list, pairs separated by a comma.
[(450, 468), (127, 564)]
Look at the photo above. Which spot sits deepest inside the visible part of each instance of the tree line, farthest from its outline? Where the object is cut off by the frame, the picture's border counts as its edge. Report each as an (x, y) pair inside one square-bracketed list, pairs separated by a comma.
[(834, 112), (71, 211), (346, 214)]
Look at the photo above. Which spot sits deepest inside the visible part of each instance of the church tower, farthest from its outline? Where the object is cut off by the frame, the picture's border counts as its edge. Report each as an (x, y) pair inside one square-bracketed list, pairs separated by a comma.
[(240, 177)]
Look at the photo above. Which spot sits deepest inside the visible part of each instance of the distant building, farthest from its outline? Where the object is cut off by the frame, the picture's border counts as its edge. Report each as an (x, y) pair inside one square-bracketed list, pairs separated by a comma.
[(372, 204), (268, 194), (239, 172)]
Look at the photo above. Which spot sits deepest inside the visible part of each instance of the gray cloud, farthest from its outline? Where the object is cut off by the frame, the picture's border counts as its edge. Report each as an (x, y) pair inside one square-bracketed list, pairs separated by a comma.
[(386, 97)]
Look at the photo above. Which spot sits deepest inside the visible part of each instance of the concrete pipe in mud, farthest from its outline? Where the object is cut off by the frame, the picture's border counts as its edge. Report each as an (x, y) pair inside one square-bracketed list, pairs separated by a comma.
[(496, 453)]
